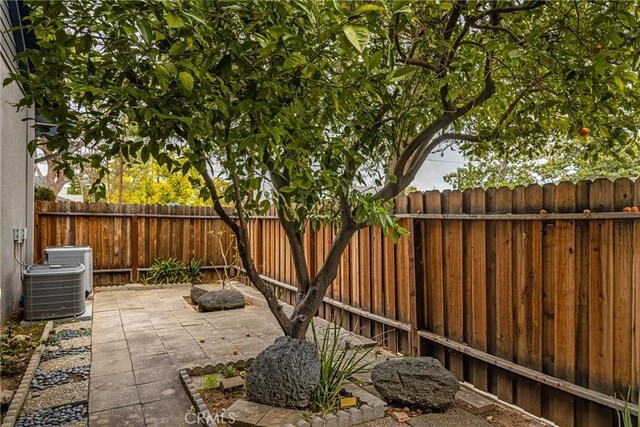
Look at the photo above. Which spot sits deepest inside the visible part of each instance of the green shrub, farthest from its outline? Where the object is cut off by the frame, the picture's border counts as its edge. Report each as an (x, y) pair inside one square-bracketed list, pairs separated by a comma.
[(337, 365), (171, 270), (43, 193), (164, 271), (193, 271)]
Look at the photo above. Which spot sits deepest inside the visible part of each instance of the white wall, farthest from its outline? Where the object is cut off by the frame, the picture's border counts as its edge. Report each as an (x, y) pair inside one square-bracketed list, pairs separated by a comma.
[(16, 175)]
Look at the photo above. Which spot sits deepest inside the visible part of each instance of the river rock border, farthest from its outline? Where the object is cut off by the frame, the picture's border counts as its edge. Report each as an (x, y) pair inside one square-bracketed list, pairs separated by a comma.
[(372, 408), (21, 394)]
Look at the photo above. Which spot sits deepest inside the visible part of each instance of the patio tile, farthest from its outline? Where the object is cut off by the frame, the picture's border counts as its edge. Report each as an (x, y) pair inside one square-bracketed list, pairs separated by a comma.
[(146, 362), (126, 416), (167, 412), (146, 350), (157, 373), (113, 398), (111, 381), (108, 346), (159, 390), (99, 339), (111, 353), (110, 366)]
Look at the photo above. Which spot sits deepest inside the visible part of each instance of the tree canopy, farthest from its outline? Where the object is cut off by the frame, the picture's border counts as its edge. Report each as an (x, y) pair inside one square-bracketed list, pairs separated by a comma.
[(316, 100), (499, 169)]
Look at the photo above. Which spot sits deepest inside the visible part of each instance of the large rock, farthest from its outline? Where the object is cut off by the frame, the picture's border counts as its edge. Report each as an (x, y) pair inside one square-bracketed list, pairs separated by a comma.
[(195, 293), (285, 374), (225, 299), (420, 381)]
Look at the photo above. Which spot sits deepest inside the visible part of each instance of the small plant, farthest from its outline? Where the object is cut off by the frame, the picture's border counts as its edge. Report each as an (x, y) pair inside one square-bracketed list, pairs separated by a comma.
[(229, 371), (210, 382), (193, 271), (337, 365), (625, 419), (12, 347), (229, 252), (165, 271)]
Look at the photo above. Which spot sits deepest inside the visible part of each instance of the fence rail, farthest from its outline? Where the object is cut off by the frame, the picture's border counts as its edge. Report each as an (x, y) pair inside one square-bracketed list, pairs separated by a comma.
[(485, 282)]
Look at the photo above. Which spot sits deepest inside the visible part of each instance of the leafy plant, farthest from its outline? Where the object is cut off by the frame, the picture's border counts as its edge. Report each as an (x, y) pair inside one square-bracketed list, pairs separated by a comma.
[(165, 271), (171, 270), (12, 347), (337, 365), (193, 271), (43, 193), (229, 371), (625, 419), (210, 382)]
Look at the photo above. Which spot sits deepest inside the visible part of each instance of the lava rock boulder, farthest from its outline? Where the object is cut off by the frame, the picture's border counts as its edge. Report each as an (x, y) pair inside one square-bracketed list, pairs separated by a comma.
[(419, 381), (285, 374), (225, 299), (195, 293)]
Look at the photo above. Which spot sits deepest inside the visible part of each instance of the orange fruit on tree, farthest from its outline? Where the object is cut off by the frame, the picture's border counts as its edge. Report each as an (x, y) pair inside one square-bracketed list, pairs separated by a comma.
[(583, 131), (626, 209), (543, 211), (634, 209)]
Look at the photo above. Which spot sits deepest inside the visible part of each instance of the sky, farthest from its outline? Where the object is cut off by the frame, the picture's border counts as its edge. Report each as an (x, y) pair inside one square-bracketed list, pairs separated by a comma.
[(436, 166)]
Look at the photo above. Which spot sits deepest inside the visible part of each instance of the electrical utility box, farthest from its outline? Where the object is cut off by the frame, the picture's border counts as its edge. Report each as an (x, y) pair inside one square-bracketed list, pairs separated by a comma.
[(52, 291), (73, 255)]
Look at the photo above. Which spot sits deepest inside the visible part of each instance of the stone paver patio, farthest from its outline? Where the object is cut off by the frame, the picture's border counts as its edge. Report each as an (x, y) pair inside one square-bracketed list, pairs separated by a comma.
[(141, 338)]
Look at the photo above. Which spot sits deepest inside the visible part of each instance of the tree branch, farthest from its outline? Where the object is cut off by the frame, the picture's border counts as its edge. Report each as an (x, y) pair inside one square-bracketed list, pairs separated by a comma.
[(512, 9)]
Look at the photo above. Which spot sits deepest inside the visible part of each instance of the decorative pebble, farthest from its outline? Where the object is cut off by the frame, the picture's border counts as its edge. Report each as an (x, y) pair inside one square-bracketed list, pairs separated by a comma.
[(44, 379), (67, 334), (53, 416), (55, 354)]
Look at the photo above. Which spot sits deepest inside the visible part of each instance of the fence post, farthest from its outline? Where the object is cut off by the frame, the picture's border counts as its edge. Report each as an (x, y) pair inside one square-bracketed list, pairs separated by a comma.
[(133, 241)]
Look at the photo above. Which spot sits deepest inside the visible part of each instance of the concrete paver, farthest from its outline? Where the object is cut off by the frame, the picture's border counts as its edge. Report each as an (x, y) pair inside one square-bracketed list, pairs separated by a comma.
[(141, 338)]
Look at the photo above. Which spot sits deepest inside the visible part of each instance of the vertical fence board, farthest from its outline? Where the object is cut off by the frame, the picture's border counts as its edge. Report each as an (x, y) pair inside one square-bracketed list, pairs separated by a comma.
[(503, 307), (601, 298), (565, 304), (453, 285)]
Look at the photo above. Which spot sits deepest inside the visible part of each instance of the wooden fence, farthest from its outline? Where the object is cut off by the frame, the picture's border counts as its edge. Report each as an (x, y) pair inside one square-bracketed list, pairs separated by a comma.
[(126, 239), (542, 310)]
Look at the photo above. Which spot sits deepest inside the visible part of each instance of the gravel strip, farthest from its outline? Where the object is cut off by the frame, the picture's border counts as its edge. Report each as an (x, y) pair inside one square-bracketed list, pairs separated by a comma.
[(55, 354), (74, 342), (54, 416), (56, 396), (45, 379), (82, 359), (73, 325), (67, 334)]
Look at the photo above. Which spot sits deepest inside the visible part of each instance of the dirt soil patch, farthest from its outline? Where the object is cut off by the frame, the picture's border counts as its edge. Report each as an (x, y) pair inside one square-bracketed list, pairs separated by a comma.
[(17, 346)]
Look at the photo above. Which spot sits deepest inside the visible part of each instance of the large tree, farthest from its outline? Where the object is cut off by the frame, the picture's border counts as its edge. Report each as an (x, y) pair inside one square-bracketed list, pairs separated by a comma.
[(314, 100)]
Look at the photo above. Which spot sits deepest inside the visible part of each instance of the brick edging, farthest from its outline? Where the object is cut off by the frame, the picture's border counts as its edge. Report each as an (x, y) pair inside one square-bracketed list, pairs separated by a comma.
[(187, 383), (373, 408), (21, 394)]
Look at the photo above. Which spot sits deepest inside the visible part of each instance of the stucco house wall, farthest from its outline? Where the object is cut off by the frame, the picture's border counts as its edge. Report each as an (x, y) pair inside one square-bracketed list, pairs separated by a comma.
[(16, 174)]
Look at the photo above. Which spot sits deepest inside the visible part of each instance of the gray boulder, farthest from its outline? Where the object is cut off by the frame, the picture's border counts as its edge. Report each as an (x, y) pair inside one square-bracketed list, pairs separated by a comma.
[(195, 293), (285, 374), (420, 381), (225, 299)]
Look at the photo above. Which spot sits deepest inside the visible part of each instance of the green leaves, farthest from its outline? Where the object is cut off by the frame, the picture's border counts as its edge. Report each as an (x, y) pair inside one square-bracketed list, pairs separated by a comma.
[(186, 79), (174, 21), (358, 36)]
